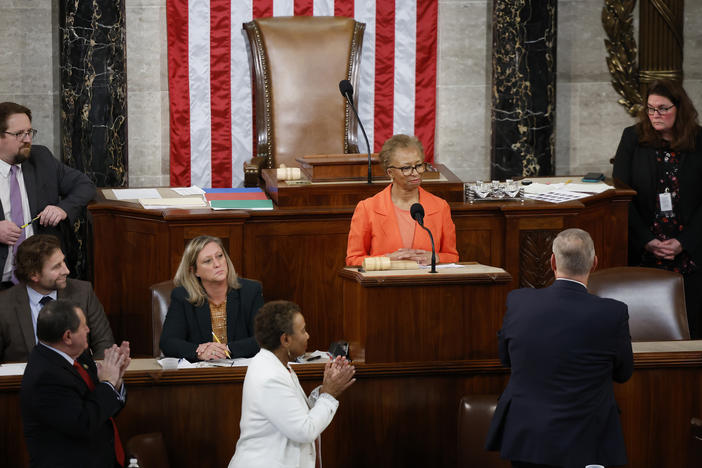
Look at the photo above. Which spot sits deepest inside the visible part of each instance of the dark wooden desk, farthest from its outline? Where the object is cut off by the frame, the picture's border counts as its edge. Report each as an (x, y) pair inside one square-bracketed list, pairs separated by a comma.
[(296, 253), (414, 315), (396, 415)]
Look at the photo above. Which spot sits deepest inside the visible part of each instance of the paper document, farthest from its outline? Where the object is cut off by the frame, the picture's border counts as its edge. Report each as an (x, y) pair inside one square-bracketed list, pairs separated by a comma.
[(13, 368), (184, 191), (589, 187), (133, 194), (163, 203)]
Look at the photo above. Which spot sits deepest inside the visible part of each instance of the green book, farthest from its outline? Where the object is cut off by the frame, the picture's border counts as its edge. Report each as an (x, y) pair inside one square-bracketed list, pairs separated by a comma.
[(241, 204)]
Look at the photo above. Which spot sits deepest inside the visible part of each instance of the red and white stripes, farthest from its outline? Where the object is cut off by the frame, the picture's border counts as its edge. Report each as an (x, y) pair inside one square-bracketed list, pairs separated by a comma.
[(211, 125)]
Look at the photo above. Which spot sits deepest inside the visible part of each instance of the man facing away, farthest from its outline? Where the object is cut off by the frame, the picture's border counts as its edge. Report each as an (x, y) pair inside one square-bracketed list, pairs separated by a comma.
[(33, 184), (68, 402), (565, 348), (43, 275)]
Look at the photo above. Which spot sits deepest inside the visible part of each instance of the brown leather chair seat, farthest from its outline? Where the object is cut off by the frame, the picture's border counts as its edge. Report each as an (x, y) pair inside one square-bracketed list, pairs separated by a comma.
[(656, 300), (160, 300), (474, 416), (148, 449)]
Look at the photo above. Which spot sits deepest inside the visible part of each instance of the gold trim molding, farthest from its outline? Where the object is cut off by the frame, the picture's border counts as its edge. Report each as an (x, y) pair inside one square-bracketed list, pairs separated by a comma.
[(618, 22)]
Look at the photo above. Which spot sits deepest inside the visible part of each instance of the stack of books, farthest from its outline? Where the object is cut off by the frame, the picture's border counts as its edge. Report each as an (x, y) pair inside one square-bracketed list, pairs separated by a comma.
[(237, 199)]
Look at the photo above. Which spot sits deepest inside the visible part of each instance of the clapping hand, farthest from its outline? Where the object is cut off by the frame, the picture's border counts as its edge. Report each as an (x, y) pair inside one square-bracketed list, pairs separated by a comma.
[(338, 376), (112, 367)]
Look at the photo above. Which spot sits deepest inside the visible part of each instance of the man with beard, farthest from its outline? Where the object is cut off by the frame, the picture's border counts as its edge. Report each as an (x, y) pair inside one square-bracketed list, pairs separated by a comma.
[(33, 184), (43, 276)]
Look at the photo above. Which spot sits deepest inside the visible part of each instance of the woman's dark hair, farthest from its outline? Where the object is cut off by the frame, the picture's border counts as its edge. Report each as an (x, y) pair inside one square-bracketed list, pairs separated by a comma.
[(274, 319), (685, 128)]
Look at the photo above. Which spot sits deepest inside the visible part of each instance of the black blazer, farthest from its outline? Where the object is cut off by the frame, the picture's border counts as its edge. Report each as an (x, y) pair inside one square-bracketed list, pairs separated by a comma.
[(66, 424), (635, 165), (565, 347), (50, 182), (187, 326)]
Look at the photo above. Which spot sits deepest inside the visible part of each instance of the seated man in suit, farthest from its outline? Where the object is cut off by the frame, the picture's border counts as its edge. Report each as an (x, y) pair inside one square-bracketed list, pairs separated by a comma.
[(68, 402), (43, 276), (565, 347)]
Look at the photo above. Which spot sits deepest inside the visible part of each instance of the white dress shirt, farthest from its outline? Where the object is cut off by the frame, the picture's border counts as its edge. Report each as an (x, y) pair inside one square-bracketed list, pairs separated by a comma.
[(279, 423), (35, 306)]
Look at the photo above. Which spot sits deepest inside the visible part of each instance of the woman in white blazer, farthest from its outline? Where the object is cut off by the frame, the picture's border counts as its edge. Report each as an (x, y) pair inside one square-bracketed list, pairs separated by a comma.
[(279, 423)]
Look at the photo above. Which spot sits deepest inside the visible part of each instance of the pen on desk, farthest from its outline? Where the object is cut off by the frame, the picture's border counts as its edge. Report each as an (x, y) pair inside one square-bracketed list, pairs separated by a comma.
[(217, 340), (314, 358), (27, 224)]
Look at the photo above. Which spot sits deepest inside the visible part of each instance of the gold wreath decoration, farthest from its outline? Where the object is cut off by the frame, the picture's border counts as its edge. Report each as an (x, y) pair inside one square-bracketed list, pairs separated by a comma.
[(618, 22)]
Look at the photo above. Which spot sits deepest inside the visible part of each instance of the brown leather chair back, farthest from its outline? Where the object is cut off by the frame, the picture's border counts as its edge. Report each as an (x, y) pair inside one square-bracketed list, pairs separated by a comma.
[(148, 449), (474, 416), (160, 300), (297, 65), (656, 300), (694, 457)]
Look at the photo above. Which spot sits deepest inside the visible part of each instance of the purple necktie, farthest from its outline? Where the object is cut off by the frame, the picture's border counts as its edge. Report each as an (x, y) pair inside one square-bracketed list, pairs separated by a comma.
[(16, 211)]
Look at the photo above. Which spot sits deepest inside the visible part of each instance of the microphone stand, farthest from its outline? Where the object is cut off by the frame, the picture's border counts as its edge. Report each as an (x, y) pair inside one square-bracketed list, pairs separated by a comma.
[(353, 108), (433, 249)]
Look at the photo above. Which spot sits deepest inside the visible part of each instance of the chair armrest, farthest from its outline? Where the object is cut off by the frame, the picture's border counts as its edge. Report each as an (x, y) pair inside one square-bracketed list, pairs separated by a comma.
[(252, 171)]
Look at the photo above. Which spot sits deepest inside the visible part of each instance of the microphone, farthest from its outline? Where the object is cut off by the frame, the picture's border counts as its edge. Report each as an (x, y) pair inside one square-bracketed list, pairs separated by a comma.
[(417, 213), (346, 89)]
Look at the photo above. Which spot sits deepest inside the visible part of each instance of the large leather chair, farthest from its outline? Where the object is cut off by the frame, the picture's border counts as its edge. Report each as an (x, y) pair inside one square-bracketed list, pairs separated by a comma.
[(160, 300), (297, 64), (148, 449), (656, 300), (474, 416), (695, 450)]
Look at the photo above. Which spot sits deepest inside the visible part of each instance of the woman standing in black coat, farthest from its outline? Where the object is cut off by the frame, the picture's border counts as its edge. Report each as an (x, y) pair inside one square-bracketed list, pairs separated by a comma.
[(661, 158)]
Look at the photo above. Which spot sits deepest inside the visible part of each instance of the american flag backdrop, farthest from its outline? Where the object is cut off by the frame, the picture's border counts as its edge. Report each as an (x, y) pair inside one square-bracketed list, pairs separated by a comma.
[(209, 79)]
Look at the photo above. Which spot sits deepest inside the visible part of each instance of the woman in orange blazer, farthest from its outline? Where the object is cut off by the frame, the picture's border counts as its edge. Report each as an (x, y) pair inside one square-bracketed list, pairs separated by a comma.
[(382, 225)]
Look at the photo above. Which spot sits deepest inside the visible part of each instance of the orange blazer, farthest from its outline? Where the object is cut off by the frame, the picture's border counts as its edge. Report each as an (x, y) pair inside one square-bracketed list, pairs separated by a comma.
[(374, 230)]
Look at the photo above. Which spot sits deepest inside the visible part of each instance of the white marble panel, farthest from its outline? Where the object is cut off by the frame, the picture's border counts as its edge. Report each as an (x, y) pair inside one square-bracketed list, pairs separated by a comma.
[(692, 30), (145, 134), (462, 130), (146, 65), (581, 53), (601, 123), (464, 43)]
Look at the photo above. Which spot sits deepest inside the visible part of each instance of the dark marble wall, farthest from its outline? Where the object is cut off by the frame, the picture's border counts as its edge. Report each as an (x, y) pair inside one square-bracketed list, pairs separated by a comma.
[(523, 88), (94, 89), (93, 96)]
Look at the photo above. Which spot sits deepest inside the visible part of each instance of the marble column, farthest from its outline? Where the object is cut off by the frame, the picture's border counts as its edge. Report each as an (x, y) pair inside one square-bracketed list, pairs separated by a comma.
[(93, 96), (523, 88), (94, 89)]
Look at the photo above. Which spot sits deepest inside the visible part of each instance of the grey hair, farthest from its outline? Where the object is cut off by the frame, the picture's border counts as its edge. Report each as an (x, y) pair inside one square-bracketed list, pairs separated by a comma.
[(396, 142), (574, 251)]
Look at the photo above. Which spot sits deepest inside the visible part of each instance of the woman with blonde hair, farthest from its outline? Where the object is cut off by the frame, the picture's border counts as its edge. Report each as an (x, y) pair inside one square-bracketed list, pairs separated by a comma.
[(212, 311)]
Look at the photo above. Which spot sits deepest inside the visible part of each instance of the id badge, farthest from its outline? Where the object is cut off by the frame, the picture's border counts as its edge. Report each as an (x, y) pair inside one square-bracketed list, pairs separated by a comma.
[(666, 201)]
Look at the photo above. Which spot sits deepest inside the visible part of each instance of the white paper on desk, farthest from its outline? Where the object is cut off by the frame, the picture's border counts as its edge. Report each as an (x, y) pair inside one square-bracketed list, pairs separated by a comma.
[(13, 368), (598, 187), (238, 362), (163, 203), (133, 194), (442, 266), (194, 190), (537, 188)]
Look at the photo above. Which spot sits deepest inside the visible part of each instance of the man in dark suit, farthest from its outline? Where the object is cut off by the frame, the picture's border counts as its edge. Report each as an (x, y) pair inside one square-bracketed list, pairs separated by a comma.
[(68, 402), (32, 184), (42, 272), (565, 347)]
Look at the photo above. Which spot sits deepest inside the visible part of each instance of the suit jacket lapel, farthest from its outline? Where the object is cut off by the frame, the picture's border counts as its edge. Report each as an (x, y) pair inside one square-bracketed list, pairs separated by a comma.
[(30, 185), (386, 213), (24, 319), (233, 307), (204, 321)]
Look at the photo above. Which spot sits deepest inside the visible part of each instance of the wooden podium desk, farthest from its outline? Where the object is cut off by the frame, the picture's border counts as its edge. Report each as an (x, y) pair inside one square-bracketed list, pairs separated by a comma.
[(395, 415), (414, 315), (297, 252)]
